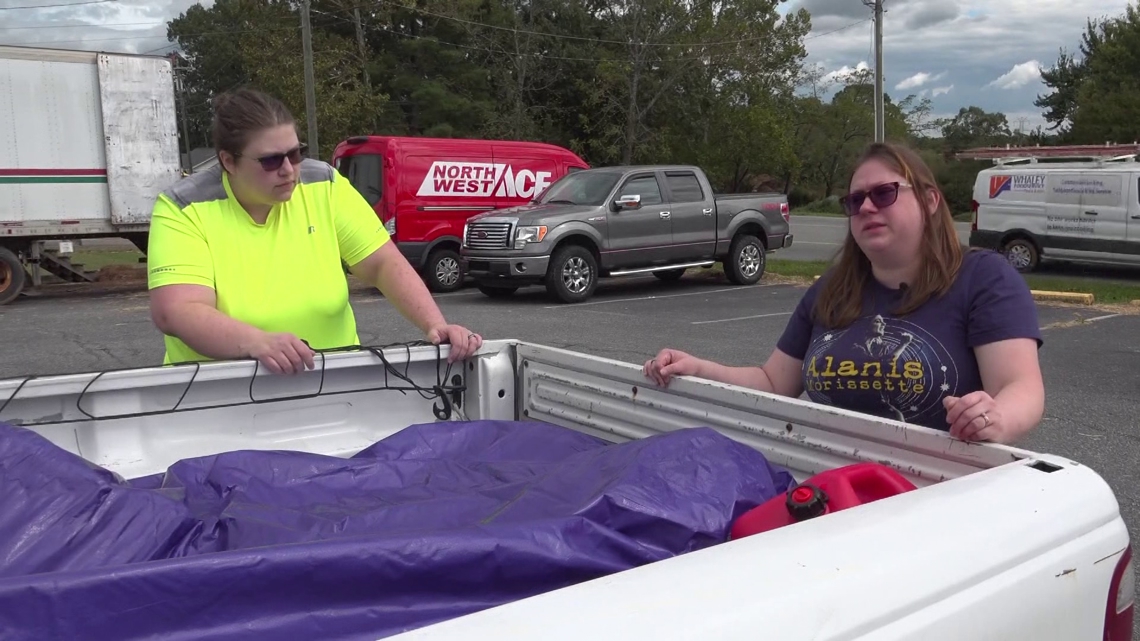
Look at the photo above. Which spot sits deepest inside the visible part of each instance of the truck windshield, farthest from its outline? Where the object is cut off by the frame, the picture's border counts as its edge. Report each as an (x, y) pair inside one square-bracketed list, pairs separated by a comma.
[(581, 188), (364, 172)]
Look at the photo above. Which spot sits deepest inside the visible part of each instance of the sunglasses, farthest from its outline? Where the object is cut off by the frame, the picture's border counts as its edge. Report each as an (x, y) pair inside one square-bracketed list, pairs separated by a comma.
[(881, 196), (273, 162)]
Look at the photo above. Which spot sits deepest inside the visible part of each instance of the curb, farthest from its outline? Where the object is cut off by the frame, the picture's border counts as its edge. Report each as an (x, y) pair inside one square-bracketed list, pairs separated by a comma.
[(1063, 297)]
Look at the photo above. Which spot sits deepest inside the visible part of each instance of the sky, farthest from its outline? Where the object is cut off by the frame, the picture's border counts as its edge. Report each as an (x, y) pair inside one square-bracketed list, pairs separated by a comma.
[(956, 52)]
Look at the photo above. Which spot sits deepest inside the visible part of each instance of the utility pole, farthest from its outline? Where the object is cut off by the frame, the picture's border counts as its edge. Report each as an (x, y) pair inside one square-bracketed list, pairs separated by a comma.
[(310, 90), (880, 109), (180, 85), (363, 57)]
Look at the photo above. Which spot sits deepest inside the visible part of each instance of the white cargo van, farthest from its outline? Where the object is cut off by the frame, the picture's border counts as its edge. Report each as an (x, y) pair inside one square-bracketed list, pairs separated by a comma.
[(1025, 207)]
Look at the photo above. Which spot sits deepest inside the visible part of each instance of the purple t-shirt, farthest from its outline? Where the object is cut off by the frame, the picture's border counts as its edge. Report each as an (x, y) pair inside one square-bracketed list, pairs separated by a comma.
[(902, 368)]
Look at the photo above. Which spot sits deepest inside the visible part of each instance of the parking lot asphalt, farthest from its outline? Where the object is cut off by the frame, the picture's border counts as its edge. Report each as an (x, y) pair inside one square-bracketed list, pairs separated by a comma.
[(1089, 358)]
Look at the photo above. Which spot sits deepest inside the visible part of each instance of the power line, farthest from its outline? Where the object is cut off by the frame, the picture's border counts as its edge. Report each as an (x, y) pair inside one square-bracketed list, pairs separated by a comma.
[(52, 6)]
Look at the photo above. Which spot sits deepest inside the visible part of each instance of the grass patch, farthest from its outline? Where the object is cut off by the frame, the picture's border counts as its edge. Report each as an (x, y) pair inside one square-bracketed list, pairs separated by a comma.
[(804, 268), (1107, 292), (964, 217), (95, 260)]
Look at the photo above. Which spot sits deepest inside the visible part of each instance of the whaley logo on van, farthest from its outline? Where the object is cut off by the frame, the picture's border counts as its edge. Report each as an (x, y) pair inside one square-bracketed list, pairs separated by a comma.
[(482, 180), (1017, 182)]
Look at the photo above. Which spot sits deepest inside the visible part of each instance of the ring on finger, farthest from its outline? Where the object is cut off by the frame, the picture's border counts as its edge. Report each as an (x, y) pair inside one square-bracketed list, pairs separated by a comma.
[(986, 418)]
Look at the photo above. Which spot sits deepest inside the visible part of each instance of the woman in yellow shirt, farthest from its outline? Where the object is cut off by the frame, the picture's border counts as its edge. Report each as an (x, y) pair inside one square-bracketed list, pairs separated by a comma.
[(244, 259)]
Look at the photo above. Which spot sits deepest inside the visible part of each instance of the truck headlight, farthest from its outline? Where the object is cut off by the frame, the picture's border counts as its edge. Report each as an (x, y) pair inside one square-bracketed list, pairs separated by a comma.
[(463, 241), (524, 235)]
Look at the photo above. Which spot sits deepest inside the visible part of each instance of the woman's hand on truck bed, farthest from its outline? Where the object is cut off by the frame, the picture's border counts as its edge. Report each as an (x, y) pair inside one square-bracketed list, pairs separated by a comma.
[(282, 353), (463, 341), (669, 363)]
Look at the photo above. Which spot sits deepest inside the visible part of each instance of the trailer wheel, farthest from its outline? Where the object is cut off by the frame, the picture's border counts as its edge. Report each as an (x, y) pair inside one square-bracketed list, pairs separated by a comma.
[(12, 276)]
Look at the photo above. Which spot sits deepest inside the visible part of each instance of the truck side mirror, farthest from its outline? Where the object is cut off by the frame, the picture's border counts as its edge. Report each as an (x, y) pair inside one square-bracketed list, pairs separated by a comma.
[(628, 201)]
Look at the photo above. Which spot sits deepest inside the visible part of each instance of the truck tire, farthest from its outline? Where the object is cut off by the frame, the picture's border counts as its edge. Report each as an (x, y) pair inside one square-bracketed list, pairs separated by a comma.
[(443, 271), (494, 291), (572, 274), (746, 260), (12, 276), (670, 275), (1022, 254)]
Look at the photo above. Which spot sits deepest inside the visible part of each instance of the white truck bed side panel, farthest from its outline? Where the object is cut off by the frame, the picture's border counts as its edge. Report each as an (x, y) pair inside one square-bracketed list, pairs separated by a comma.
[(52, 161), (614, 400), (134, 432), (141, 132)]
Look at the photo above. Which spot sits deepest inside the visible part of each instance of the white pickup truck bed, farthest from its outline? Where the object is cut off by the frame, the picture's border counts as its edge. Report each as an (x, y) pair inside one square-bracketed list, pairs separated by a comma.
[(997, 542)]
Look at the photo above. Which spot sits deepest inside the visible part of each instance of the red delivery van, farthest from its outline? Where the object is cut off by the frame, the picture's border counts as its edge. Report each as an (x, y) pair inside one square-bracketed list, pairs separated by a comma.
[(425, 189)]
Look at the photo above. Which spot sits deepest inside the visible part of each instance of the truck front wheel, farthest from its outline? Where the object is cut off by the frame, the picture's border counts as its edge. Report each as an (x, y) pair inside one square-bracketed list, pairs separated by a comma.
[(572, 274), (12, 276), (746, 260)]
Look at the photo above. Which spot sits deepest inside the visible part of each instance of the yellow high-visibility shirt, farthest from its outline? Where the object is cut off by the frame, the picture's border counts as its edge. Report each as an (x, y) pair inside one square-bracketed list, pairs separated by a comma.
[(282, 276)]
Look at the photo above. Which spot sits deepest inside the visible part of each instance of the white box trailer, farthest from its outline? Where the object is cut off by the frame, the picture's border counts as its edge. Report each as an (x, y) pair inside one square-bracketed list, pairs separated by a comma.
[(997, 542), (87, 140)]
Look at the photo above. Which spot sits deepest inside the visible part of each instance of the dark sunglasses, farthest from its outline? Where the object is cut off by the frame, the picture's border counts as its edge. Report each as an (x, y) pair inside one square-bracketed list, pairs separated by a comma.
[(883, 195), (273, 162)]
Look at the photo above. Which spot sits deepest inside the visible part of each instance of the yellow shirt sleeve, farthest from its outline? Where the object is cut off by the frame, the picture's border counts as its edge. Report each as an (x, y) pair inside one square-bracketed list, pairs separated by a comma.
[(358, 229), (177, 252)]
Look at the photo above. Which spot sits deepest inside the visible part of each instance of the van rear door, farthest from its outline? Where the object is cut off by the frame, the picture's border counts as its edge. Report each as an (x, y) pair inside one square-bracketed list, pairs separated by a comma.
[(1132, 210), (1084, 207), (366, 172)]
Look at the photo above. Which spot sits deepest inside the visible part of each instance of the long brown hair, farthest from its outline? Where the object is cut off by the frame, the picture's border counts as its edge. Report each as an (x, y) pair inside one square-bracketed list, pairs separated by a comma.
[(840, 299)]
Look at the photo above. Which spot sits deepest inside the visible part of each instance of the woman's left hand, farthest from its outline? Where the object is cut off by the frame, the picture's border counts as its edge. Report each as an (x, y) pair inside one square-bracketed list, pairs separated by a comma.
[(463, 341), (975, 417)]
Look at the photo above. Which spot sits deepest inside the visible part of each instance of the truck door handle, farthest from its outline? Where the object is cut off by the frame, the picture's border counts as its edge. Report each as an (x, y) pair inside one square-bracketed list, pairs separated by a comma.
[(1136, 218), (664, 214), (1091, 213), (707, 212)]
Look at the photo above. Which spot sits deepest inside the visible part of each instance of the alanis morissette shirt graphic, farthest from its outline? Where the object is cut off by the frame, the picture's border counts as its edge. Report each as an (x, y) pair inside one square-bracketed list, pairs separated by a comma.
[(901, 368)]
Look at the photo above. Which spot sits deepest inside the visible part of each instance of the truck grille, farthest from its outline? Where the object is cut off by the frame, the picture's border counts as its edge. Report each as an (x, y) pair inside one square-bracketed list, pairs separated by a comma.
[(488, 235)]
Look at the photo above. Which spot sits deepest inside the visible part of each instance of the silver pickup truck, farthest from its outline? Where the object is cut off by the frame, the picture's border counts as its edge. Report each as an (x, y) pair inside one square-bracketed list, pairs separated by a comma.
[(619, 221)]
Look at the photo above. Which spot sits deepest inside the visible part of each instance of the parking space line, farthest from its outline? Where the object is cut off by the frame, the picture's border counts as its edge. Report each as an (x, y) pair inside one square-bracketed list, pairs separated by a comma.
[(1100, 318), (626, 300), (740, 318)]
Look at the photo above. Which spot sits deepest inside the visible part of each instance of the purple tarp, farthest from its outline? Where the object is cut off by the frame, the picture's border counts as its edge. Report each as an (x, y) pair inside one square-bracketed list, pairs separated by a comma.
[(436, 521)]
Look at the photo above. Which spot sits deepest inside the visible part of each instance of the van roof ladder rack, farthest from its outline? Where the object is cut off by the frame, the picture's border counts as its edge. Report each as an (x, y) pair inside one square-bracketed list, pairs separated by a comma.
[(1096, 155)]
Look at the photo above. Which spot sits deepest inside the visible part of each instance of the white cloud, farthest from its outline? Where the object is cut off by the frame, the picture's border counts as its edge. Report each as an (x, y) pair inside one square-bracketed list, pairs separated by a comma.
[(918, 79), (983, 42), (843, 72), (1019, 76)]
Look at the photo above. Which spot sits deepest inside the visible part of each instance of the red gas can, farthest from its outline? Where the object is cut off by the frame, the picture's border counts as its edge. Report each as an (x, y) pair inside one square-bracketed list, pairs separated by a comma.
[(821, 494)]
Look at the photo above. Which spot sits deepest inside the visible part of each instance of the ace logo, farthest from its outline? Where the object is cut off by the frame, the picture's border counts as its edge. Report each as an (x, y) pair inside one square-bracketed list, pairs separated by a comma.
[(482, 180)]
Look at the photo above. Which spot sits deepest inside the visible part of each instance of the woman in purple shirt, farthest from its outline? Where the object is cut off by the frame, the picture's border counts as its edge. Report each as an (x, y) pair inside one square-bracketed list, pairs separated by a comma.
[(908, 324)]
